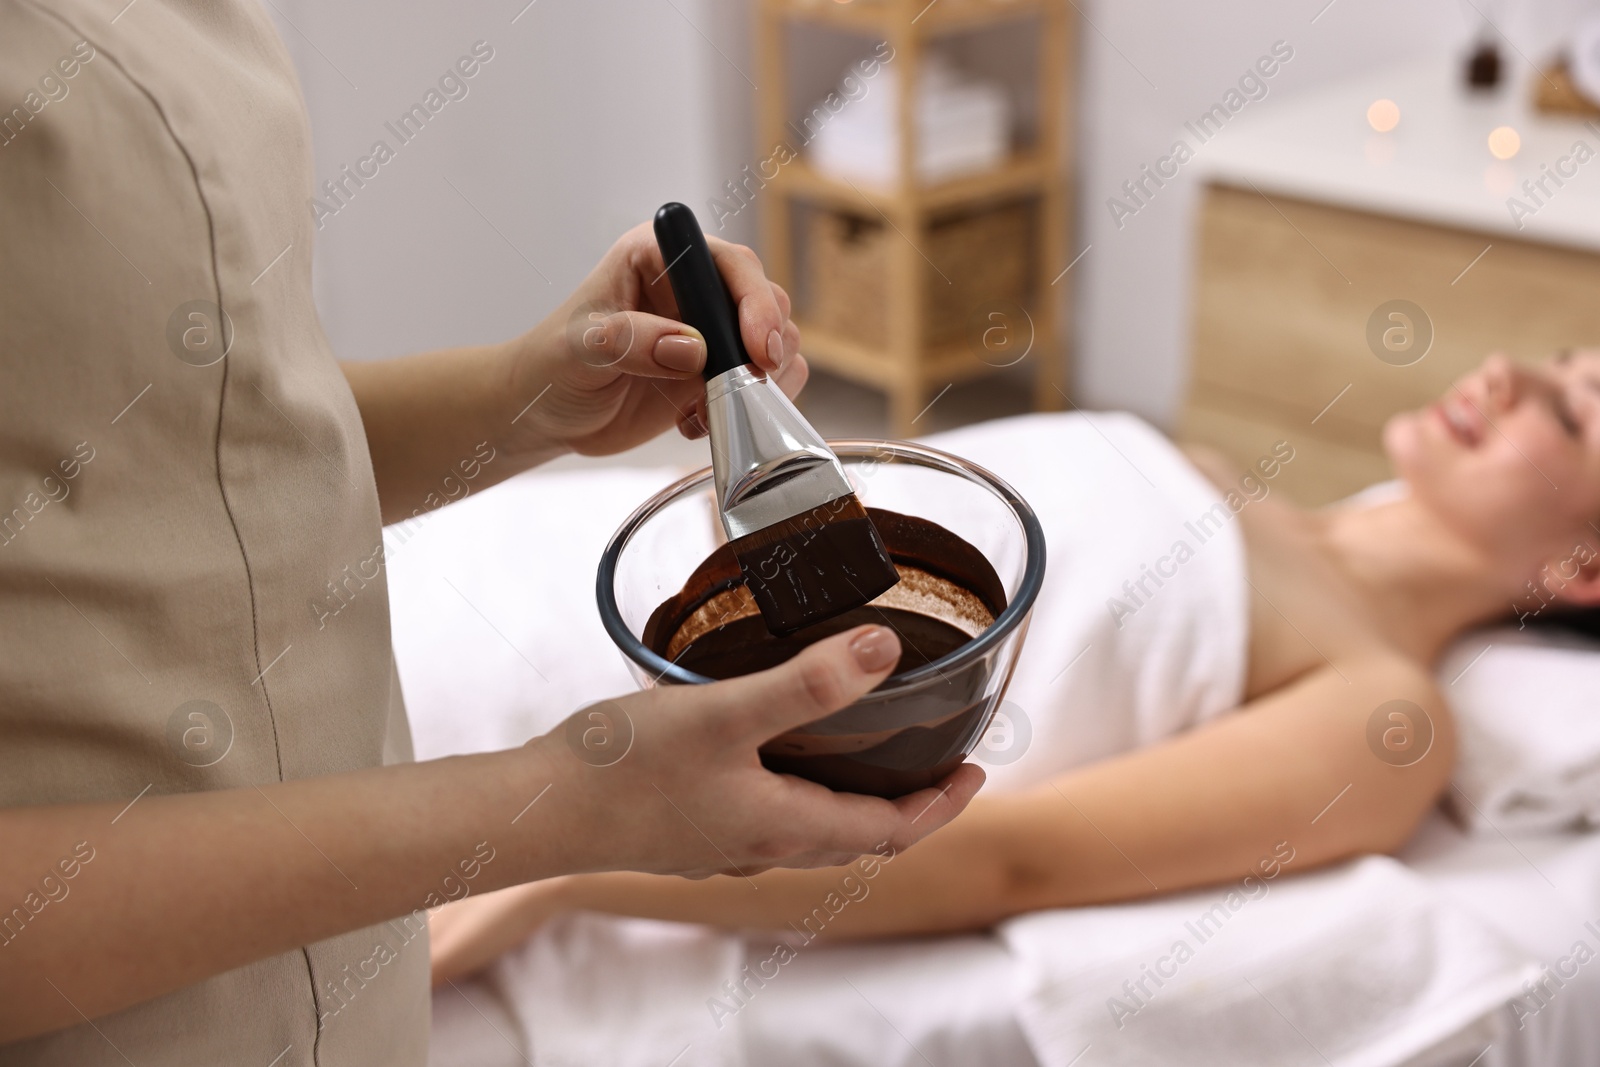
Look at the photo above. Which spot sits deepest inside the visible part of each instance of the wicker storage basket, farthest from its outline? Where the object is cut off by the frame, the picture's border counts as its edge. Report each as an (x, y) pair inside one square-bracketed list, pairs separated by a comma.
[(987, 256)]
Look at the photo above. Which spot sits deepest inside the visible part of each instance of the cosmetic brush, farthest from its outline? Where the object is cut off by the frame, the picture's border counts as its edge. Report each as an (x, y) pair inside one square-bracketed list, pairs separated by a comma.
[(806, 546)]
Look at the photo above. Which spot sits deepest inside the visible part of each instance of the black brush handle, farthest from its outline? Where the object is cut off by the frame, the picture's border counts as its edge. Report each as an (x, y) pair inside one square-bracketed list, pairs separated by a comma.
[(703, 298)]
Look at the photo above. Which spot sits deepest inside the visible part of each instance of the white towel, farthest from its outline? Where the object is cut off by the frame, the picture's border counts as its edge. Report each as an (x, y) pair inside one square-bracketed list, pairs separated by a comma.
[(1117, 656), (1359, 966), (592, 990), (963, 126), (1527, 711)]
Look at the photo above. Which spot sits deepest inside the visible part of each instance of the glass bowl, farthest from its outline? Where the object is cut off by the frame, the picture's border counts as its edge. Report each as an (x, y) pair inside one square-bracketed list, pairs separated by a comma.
[(916, 726)]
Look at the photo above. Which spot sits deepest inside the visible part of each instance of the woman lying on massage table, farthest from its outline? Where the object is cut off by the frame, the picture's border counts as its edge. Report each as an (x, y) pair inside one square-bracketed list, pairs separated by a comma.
[(1504, 479)]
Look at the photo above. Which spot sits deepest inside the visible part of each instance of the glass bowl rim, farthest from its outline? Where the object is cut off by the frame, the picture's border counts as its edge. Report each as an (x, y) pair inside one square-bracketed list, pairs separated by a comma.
[(1016, 609)]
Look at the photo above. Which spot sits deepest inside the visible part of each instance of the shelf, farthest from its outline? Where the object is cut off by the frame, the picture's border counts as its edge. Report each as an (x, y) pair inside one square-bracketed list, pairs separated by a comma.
[(912, 372), (882, 17), (870, 365), (1022, 173), (846, 358)]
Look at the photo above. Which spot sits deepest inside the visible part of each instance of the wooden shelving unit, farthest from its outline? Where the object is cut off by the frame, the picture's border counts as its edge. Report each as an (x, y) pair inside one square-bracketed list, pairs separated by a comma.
[(906, 367)]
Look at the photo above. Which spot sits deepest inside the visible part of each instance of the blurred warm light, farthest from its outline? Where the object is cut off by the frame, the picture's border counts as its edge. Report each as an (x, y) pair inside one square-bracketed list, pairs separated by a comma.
[(1504, 142), (1383, 115)]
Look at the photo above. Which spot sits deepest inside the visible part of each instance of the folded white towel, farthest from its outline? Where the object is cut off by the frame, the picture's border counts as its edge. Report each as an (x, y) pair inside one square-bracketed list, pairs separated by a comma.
[(1362, 965), (963, 125), (1528, 727)]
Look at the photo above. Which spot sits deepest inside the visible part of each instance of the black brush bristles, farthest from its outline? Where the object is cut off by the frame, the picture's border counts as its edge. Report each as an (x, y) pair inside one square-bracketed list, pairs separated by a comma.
[(815, 565)]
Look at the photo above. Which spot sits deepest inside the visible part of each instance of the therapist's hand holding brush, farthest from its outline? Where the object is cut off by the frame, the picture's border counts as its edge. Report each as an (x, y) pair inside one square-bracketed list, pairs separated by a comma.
[(609, 369), (619, 364)]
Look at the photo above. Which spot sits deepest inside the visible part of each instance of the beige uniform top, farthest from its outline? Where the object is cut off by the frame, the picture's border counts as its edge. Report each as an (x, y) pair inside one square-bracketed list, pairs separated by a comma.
[(168, 523)]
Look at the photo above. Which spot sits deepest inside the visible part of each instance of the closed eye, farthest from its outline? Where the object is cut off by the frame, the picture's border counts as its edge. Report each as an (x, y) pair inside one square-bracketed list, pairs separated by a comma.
[(1562, 403), (1564, 415)]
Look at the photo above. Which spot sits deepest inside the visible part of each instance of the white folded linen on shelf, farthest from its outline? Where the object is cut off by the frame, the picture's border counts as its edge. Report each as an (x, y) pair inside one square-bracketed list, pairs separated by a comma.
[(962, 126)]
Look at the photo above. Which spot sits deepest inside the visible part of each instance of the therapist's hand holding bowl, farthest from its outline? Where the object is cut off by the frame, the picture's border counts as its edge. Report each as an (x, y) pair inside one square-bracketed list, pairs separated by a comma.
[(687, 793)]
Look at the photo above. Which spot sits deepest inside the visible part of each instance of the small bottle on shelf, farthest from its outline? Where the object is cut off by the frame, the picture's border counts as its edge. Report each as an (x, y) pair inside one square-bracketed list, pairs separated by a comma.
[(1483, 65)]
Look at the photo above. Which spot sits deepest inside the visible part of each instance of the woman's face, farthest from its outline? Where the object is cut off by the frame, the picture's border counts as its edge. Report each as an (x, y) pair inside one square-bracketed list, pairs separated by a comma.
[(1510, 456)]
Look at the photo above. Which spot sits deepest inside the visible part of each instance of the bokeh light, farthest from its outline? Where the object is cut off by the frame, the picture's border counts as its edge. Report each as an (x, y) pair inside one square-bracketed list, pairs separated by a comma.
[(1383, 115), (1504, 142)]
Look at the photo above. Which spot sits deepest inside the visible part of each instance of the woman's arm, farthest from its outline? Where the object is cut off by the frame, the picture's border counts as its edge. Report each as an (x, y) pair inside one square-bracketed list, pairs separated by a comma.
[(1289, 774), (106, 905), (609, 369), (439, 426), (177, 888)]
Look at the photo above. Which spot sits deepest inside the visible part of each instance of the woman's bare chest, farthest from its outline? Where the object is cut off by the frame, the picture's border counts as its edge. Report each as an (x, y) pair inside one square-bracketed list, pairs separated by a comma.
[(1303, 612)]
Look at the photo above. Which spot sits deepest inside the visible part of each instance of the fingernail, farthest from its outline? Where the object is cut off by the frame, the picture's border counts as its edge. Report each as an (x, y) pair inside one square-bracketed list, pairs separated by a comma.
[(693, 426), (680, 352), (876, 650), (775, 349)]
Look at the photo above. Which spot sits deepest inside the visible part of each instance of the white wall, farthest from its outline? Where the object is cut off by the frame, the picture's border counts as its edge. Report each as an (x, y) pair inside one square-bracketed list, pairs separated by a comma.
[(585, 120), (591, 114)]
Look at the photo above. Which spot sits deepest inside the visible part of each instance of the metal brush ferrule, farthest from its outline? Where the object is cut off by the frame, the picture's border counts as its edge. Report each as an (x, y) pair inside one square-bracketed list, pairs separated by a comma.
[(767, 462)]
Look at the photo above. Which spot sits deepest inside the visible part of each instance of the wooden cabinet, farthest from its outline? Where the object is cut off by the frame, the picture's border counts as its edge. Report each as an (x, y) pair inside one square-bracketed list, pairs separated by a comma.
[(1284, 291)]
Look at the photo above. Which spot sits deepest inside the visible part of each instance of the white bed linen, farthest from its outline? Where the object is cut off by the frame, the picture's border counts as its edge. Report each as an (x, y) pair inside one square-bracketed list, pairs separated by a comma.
[(1543, 893), (953, 1001), (1361, 964), (464, 586)]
